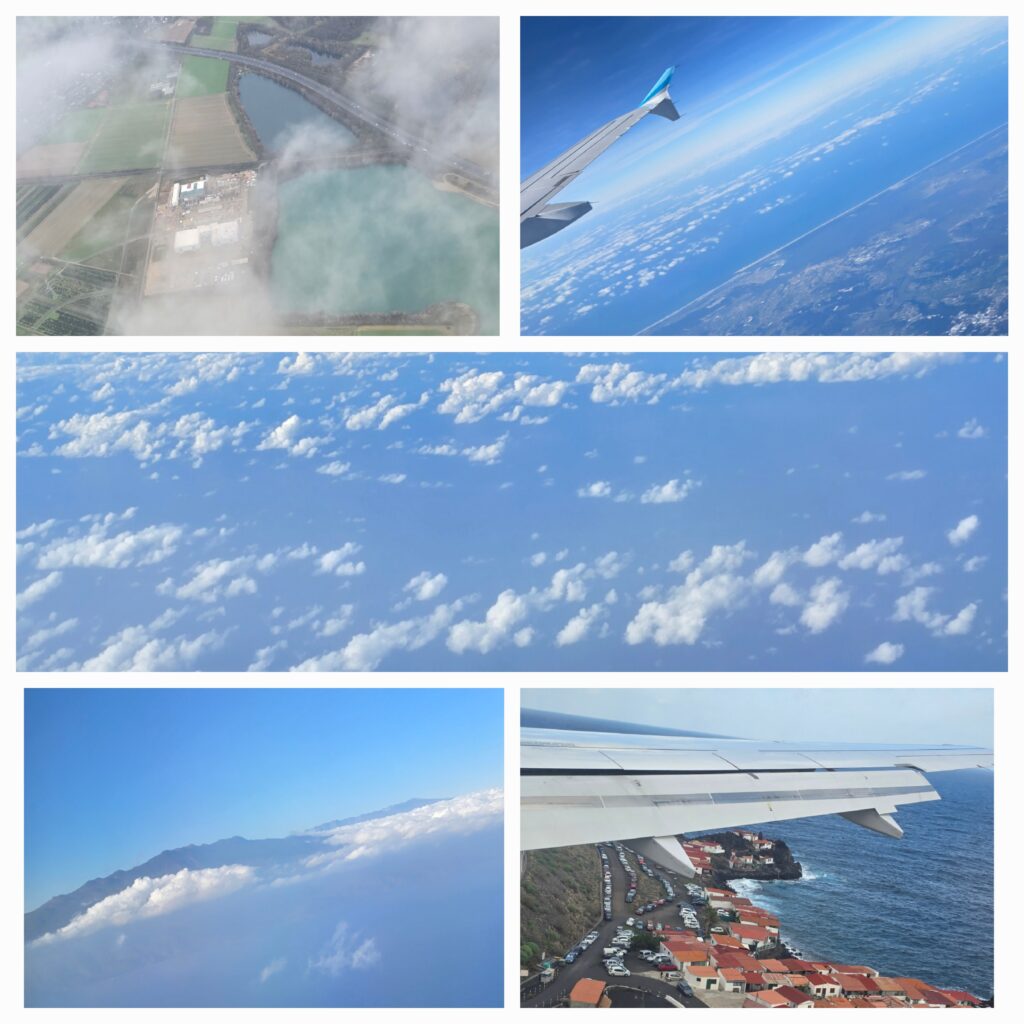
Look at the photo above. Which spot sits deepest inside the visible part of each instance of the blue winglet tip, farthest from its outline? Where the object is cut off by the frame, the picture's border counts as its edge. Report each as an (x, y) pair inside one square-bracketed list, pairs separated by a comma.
[(661, 83)]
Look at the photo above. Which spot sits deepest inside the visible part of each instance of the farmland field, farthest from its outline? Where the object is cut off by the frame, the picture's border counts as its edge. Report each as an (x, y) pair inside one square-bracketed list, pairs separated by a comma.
[(221, 37), (63, 223), (202, 76), (204, 131), (76, 126), (105, 231), (129, 138)]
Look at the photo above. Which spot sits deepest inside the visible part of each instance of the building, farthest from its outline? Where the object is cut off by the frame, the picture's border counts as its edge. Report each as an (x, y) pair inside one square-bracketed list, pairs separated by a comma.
[(225, 233), (752, 936), (767, 998), (192, 192), (731, 979), (589, 992), (704, 979), (186, 241), (794, 997), (824, 986)]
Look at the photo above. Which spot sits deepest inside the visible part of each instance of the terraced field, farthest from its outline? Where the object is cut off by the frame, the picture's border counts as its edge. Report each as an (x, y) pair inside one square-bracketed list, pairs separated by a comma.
[(129, 138), (202, 76), (204, 131)]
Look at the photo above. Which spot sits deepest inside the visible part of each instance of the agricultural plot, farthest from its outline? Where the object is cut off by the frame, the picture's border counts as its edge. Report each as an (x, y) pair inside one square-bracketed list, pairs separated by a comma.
[(63, 223), (222, 36), (50, 161), (204, 132), (130, 138), (73, 300), (202, 76), (31, 200), (101, 238), (76, 126)]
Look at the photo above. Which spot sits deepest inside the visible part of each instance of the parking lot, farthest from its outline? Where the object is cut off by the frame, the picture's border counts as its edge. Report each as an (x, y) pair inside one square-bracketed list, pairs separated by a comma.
[(643, 976)]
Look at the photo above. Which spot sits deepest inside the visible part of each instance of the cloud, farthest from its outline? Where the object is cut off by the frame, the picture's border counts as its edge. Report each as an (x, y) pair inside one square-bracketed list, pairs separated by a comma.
[(285, 436), (508, 610), (217, 578), (963, 530), (153, 897), (915, 607), (99, 550), (425, 587), (667, 493), (820, 367), (711, 587), (975, 563), (338, 563), (334, 468), (365, 651), (136, 649), (869, 517), (884, 654), (876, 554), (346, 951), (460, 815), (618, 382), (598, 489), (972, 430), (784, 595), (274, 967), (827, 602), (37, 590), (824, 551), (486, 453), (579, 625), (907, 474), (475, 394)]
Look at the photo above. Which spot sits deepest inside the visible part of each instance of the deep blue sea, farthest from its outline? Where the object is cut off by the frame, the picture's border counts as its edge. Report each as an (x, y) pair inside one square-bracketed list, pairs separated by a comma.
[(916, 907)]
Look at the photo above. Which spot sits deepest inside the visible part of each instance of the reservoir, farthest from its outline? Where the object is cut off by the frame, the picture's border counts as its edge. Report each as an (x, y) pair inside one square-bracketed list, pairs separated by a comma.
[(382, 239), (280, 115)]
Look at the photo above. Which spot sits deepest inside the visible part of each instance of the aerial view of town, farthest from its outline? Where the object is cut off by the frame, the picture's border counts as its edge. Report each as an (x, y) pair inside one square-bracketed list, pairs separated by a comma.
[(663, 941), (272, 175)]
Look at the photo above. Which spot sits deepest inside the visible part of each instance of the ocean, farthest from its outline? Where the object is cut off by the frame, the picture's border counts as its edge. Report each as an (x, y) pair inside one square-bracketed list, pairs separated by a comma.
[(917, 907)]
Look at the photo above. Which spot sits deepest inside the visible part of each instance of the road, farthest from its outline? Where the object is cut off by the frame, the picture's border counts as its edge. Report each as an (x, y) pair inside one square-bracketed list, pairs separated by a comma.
[(369, 117), (590, 965)]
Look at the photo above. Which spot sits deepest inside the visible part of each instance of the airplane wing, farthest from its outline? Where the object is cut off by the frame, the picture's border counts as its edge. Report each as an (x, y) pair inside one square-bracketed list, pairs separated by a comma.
[(587, 787), (538, 217)]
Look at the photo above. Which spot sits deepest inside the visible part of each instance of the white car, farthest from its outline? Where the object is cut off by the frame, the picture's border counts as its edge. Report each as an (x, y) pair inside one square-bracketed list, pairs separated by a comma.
[(617, 970)]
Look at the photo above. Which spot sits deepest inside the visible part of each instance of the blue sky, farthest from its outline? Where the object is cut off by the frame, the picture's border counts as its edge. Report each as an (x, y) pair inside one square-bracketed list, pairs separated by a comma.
[(836, 715), (129, 773), (738, 80), (527, 512)]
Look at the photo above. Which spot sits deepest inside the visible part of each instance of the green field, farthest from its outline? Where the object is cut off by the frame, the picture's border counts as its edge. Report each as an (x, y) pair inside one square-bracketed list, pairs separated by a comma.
[(221, 37), (104, 231), (129, 138), (76, 126), (202, 76)]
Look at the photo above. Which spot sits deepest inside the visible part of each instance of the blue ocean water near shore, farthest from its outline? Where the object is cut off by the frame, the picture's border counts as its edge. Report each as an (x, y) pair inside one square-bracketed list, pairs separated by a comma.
[(918, 907)]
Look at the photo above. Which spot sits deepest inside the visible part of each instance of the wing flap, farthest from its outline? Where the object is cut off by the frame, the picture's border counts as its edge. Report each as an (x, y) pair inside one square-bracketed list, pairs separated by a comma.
[(567, 810)]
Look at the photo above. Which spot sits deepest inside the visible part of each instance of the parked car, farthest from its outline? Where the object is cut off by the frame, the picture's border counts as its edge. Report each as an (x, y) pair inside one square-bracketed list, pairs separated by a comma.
[(617, 970), (665, 968), (684, 989)]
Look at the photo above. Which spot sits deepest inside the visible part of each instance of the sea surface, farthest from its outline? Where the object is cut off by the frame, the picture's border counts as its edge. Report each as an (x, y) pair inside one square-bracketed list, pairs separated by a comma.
[(916, 907)]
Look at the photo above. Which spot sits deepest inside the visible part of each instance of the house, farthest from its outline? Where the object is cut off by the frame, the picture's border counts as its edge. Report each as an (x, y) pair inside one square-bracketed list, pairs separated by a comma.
[(686, 954), (824, 986), (755, 982), (703, 978), (751, 935), (731, 979), (773, 966), (767, 999), (774, 980), (869, 972), (794, 997), (763, 844), (959, 997), (589, 992), (933, 997), (888, 986), (727, 941), (794, 966), (744, 961), (855, 984), (742, 860)]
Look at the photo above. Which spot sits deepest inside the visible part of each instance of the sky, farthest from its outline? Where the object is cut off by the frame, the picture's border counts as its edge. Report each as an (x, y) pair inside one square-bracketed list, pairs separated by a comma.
[(132, 772), (512, 512), (738, 80), (837, 715)]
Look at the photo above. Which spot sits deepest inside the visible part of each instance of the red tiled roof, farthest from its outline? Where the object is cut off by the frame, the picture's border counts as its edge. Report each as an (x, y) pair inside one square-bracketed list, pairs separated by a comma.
[(791, 995), (587, 990)]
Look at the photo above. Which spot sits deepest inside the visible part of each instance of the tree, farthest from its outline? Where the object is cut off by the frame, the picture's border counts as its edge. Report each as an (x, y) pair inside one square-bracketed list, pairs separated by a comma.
[(645, 940)]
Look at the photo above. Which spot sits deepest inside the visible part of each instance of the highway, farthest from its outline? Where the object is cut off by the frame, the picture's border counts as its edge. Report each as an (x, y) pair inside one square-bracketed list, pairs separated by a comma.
[(342, 102), (590, 962)]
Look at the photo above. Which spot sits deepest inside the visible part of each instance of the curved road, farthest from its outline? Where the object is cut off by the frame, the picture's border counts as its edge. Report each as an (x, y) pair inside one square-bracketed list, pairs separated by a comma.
[(369, 117), (590, 965)]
